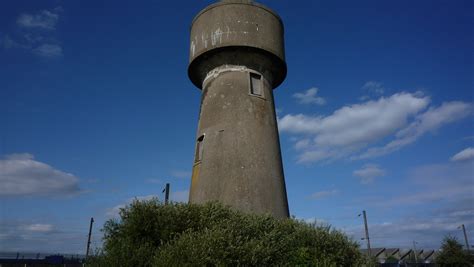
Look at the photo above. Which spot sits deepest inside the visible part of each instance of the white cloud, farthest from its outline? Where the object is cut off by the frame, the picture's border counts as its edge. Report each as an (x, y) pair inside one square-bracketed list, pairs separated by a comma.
[(466, 154), (313, 220), (314, 154), (154, 181), (175, 196), (29, 235), (181, 174), (434, 201), (7, 42), (324, 194), (429, 121), (374, 87), (435, 183), (36, 33), (368, 173), (348, 130), (423, 197), (428, 230), (303, 143), (358, 123), (180, 196), (441, 197), (427, 226), (45, 19), (353, 127), (38, 227), (310, 97), (49, 50), (22, 175), (114, 212)]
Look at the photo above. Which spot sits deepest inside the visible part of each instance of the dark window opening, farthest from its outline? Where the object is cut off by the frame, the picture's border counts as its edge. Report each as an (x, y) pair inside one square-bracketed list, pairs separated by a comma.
[(199, 148), (256, 84)]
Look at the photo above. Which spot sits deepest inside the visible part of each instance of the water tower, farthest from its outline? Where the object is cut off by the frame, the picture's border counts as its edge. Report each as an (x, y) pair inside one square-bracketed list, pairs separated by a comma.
[(237, 58)]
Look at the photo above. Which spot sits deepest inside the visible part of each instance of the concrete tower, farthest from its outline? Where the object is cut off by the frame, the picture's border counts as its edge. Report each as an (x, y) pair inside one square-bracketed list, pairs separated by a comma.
[(237, 58)]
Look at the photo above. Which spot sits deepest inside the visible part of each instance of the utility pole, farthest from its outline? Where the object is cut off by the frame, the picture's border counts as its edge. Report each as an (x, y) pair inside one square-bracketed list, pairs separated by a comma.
[(366, 233), (167, 193), (414, 251), (465, 237), (89, 238)]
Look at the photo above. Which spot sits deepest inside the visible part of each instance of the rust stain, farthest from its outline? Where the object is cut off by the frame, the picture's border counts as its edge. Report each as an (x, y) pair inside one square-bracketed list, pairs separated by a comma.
[(195, 176)]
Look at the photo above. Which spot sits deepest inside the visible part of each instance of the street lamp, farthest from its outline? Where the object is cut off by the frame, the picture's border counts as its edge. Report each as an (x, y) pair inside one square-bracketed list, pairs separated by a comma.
[(366, 232), (465, 235)]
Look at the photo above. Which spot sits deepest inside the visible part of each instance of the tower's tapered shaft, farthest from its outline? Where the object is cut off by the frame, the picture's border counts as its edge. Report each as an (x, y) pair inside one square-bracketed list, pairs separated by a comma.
[(237, 59)]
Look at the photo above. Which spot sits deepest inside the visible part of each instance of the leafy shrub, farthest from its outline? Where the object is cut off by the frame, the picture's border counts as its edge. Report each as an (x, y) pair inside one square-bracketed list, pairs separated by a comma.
[(452, 254), (152, 234)]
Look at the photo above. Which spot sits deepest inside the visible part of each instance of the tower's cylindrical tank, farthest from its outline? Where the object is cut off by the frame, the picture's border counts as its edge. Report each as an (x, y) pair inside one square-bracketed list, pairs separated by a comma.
[(237, 58)]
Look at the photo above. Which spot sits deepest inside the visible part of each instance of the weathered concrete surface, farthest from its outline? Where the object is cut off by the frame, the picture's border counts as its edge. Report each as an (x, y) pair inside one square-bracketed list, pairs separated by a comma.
[(238, 160), (242, 31)]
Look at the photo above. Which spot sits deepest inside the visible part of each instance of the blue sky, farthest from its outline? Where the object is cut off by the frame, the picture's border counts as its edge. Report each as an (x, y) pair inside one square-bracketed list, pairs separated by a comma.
[(376, 113)]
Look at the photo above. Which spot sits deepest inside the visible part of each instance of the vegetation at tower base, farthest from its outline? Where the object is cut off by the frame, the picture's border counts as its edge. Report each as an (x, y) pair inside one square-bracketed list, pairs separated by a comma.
[(149, 233), (453, 255)]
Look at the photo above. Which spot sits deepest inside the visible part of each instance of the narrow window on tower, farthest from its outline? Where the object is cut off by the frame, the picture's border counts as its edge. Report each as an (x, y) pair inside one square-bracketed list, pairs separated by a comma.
[(256, 85), (199, 148)]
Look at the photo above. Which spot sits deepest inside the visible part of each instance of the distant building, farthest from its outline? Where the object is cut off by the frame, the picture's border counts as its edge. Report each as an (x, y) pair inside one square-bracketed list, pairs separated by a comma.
[(402, 257)]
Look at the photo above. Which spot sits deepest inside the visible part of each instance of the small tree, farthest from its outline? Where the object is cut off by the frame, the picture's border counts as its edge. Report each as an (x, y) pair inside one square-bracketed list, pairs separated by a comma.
[(452, 254)]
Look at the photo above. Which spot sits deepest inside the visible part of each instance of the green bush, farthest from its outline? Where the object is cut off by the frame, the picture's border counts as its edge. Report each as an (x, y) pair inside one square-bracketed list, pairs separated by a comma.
[(452, 254), (151, 234)]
